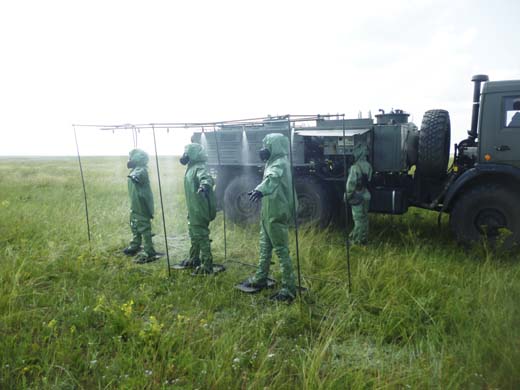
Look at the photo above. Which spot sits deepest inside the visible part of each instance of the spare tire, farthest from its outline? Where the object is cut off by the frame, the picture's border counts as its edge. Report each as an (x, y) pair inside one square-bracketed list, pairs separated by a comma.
[(434, 144), (239, 209)]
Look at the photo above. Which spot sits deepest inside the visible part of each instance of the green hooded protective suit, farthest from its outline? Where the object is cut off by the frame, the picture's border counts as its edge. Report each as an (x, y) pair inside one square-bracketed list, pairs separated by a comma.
[(201, 205), (141, 203), (357, 193), (277, 213)]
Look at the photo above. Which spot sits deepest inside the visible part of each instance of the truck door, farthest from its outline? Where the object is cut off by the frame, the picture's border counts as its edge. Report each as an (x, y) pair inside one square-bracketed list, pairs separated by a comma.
[(500, 129)]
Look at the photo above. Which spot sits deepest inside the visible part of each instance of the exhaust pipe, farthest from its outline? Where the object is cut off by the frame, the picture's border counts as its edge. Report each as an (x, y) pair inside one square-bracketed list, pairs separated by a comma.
[(477, 79)]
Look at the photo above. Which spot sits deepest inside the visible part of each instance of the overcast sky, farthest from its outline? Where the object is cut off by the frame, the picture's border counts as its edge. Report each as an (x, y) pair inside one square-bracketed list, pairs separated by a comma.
[(65, 62)]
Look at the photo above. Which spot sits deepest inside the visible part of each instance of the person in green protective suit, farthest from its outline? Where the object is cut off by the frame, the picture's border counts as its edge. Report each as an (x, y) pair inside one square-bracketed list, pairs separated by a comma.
[(276, 193), (201, 204), (357, 194), (141, 207)]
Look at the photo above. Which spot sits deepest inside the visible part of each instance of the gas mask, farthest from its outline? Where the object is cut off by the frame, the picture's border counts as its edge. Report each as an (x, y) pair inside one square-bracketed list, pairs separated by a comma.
[(185, 159), (264, 154), (130, 164)]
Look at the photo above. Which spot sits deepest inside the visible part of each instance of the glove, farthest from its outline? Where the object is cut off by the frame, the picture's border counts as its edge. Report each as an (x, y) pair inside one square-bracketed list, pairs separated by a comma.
[(202, 190), (255, 196)]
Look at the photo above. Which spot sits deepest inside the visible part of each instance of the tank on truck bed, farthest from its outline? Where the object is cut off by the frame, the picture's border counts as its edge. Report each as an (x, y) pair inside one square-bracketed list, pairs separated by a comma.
[(319, 156)]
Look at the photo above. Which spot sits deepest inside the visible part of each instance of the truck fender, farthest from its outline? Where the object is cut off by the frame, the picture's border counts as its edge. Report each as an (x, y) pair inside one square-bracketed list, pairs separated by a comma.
[(472, 174)]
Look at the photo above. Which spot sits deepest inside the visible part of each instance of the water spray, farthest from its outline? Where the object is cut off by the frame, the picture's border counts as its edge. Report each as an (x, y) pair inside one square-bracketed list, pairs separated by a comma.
[(203, 139), (245, 148), (134, 137)]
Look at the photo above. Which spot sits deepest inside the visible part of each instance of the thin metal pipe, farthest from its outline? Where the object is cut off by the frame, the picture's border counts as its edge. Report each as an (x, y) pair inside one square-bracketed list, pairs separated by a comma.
[(91, 125), (127, 126), (83, 184), (134, 134), (347, 219), (223, 205), (162, 205), (295, 214)]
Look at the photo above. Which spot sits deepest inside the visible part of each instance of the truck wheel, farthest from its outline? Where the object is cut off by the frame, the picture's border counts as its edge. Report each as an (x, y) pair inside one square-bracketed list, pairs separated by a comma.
[(434, 144), (239, 209), (313, 202), (487, 211)]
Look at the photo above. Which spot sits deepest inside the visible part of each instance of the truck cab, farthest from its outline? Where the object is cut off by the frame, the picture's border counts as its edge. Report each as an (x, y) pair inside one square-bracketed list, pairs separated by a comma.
[(499, 133), (484, 187)]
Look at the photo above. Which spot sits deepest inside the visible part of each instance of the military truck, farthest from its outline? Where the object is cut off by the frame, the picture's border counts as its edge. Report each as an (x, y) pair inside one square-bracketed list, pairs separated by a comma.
[(480, 190)]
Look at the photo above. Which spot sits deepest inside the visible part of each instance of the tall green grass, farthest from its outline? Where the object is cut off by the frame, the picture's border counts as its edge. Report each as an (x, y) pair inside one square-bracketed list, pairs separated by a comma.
[(423, 312)]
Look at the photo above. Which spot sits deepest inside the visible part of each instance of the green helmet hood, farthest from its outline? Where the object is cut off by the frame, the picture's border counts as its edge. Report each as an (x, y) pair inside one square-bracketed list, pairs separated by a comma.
[(277, 144), (196, 153), (139, 157), (360, 151)]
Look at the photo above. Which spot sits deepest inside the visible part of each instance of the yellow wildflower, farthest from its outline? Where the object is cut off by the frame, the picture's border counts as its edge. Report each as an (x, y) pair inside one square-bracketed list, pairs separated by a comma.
[(155, 326), (101, 301), (152, 328), (52, 324), (127, 308)]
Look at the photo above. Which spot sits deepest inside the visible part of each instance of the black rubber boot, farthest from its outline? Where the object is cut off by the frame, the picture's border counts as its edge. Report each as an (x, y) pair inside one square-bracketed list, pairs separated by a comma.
[(190, 263), (147, 258), (281, 297), (251, 283), (131, 251), (202, 270)]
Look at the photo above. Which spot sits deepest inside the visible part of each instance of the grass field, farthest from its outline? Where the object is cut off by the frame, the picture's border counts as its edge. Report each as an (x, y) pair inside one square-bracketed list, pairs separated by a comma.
[(423, 312)]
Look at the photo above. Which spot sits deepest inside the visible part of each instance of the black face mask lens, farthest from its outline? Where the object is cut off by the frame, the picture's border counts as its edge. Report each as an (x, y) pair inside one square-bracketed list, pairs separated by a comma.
[(184, 159), (264, 154), (130, 164)]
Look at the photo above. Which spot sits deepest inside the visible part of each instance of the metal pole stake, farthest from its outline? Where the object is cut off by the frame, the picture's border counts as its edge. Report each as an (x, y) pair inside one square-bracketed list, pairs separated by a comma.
[(223, 205), (162, 205), (294, 206), (347, 217), (83, 184)]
